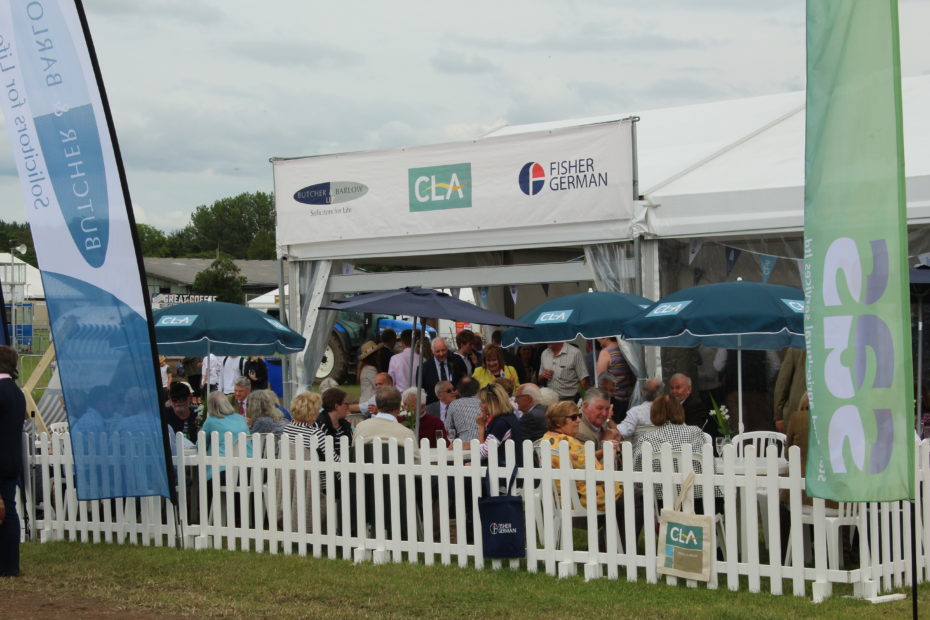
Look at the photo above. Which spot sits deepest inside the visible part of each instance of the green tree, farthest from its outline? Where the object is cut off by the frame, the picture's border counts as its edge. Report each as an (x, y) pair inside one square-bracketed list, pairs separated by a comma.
[(231, 224), (13, 234), (222, 279), (262, 246), (153, 242), (181, 243)]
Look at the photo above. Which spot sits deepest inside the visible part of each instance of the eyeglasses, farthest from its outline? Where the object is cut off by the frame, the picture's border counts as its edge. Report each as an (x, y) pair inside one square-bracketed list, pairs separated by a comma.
[(446, 391), (573, 417)]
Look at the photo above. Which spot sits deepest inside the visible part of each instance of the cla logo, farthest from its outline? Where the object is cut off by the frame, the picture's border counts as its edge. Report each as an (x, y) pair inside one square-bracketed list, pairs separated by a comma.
[(439, 187), (176, 320), (668, 308), (553, 316), (532, 178), (681, 536), (794, 304)]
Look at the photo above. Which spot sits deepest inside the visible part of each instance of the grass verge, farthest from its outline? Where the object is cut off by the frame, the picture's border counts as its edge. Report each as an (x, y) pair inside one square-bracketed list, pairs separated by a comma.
[(240, 584)]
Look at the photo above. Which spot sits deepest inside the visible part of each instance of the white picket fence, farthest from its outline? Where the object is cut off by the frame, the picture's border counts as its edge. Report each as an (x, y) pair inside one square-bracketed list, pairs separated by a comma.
[(272, 502)]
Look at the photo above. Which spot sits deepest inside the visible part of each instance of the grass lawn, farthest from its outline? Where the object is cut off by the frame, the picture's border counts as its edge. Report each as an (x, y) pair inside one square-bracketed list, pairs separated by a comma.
[(240, 584)]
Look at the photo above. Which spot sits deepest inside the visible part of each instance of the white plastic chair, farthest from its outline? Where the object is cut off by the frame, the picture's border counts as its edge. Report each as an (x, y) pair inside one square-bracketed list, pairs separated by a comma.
[(760, 440), (846, 514)]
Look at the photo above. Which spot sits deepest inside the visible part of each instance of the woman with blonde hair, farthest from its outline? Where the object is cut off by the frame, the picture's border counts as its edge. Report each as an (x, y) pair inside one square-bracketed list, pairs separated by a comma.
[(305, 409), (497, 421)]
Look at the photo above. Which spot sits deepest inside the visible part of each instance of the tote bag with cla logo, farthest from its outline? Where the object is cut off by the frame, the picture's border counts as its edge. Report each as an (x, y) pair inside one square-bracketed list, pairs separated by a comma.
[(686, 539)]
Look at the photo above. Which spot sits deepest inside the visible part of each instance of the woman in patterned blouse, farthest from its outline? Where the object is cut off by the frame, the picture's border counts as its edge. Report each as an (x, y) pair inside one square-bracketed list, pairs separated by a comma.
[(564, 420)]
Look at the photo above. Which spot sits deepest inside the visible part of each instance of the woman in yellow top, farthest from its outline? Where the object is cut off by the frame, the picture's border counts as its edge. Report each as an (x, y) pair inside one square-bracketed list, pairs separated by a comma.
[(563, 420), (494, 366)]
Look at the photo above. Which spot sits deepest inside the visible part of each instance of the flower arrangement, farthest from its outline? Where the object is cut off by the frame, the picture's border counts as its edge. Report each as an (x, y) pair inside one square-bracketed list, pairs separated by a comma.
[(720, 415)]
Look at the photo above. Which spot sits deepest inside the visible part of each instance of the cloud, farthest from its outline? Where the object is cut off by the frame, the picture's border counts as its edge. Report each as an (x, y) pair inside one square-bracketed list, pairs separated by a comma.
[(293, 54), (588, 38), (458, 63)]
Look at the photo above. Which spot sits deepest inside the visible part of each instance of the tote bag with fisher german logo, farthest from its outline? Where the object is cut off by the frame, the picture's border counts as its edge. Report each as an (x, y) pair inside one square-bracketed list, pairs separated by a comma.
[(503, 530), (687, 540)]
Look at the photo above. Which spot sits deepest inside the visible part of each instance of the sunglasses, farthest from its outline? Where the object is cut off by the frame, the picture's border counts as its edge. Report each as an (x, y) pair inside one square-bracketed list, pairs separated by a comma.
[(573, 417)]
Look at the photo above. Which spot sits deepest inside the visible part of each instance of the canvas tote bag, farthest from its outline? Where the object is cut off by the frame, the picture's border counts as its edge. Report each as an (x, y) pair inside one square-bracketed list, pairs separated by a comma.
[(686, 539), (503, 533)]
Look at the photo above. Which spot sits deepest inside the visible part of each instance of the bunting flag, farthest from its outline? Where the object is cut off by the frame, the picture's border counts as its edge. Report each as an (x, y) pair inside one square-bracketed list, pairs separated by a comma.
[(513, 292), (732, 257), (694, 250), (766, 265), (857, 324), (698, 275), (799, 263), (454, 291), (545, 288), (83, 229), (483, 295), (924, 259)]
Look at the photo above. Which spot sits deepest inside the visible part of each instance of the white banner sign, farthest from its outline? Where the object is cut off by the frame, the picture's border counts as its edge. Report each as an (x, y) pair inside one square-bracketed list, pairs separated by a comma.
[(83, 238), (554, 187)]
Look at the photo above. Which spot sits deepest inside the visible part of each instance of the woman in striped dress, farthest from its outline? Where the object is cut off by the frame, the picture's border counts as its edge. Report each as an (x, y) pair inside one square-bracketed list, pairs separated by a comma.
[(611, 360), (305, 407)]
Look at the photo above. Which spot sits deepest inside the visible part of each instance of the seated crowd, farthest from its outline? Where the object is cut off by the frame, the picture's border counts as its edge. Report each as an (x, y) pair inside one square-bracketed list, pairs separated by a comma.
[(544, 395)]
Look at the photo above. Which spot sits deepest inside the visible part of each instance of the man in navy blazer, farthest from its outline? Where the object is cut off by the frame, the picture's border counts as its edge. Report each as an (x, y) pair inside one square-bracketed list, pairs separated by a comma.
[(443, 367)]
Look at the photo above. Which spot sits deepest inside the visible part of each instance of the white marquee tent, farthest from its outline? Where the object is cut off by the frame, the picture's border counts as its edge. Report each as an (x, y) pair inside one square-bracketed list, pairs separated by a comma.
[(729, 173)]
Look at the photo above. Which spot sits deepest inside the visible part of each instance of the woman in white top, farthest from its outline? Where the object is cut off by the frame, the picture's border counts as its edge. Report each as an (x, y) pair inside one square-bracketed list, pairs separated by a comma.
[(367, 369)]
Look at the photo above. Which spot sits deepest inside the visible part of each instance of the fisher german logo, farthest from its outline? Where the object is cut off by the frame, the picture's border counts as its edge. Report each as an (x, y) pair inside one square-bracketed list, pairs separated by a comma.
[(331, 192), (532, 178), (562, 175), (502, 528)]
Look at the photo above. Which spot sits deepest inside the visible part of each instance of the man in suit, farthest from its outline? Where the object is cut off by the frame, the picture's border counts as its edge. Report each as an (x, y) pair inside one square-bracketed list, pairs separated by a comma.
[(533, 421), (697, 412), (239, 399), (445, 394), (443, 367)]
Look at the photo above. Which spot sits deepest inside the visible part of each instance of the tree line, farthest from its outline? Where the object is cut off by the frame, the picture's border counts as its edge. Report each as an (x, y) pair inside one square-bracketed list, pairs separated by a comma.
[(239, 227)]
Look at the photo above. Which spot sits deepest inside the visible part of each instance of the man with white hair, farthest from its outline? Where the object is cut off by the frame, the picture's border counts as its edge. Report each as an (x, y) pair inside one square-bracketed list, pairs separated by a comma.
[(443, 367), (533, 421), (445, 394), (696, 412), (430, 427), (639, 415)]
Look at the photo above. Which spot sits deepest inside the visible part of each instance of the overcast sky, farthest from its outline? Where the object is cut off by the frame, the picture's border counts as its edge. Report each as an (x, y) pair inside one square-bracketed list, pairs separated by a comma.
[(203, 92)]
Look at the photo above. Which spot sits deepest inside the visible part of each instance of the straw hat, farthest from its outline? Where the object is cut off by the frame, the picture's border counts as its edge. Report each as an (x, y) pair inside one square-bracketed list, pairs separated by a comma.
[(367, 349)]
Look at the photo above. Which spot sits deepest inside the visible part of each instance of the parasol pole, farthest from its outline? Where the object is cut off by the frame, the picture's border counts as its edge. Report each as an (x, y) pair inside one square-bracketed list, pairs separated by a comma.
[(739, 378)]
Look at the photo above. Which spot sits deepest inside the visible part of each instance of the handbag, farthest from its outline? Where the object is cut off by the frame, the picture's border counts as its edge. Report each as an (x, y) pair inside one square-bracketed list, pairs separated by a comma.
[(503, 533), (687, 540)]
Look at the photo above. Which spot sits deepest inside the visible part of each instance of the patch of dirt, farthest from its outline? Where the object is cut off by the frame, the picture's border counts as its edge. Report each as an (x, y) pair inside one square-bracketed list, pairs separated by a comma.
[(23, 603)]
